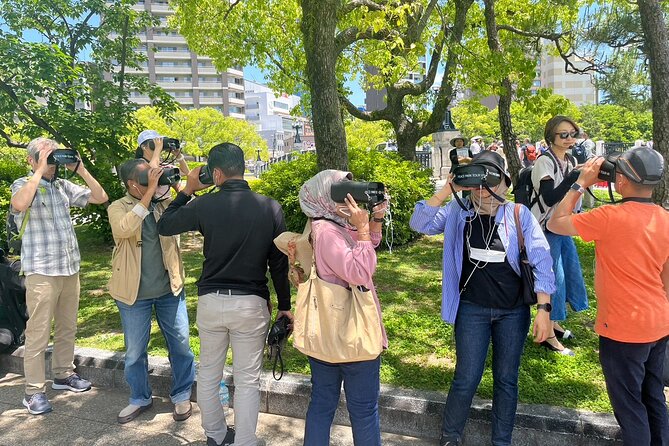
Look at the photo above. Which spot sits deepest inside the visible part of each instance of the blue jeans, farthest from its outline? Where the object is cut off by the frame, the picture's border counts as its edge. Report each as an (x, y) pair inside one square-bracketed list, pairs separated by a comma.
[(633, 375), (569, 283), (173, 322), (361, 384), (474, 327)]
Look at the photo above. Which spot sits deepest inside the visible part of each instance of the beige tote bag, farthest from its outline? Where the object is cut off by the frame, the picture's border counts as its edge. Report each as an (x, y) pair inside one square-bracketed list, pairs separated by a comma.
[(336, 324)]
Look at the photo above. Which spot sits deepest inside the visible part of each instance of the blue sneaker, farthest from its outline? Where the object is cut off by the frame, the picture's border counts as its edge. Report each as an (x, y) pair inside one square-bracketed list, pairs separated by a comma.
[(37, 403), (72, 382)]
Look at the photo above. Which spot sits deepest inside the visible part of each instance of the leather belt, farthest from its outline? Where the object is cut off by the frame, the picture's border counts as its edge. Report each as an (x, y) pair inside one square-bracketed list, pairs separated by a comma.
[(230, 292)]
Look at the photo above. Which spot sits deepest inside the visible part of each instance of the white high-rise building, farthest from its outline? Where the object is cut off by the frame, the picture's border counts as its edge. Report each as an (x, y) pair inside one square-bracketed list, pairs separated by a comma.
[(270, 113), (578, 88), (189, 78)]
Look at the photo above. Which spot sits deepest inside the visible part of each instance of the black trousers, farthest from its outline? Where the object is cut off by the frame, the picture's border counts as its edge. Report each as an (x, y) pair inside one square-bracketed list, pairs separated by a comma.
[(633, 375)]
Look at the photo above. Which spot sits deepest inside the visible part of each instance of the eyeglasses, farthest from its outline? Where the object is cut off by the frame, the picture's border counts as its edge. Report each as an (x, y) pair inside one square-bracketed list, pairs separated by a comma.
[(565, 135)]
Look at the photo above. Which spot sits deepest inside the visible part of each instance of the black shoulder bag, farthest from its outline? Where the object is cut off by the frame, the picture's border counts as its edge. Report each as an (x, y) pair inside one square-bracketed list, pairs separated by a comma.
[(526, 271)]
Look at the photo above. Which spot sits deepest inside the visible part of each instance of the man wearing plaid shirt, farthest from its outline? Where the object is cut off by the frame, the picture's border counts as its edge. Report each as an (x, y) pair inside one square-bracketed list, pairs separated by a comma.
[(50, 261)]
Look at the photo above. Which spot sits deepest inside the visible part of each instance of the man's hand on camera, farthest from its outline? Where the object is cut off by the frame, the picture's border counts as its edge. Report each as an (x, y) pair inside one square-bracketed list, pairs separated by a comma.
[(42, 165), (590, 172), (75, 167), (289, 315), (193, 182), (153, 177)]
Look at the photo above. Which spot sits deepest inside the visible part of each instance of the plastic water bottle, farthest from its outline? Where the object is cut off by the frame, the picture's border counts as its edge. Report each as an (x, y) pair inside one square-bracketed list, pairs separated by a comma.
[(224, 396)]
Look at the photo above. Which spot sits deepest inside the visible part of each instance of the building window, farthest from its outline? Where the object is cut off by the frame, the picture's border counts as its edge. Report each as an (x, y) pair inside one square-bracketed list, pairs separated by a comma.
[(238, 81), (235, 95), (208, 79), (204, 64), (235, 109), (210, 94), (281, 105), (536, 83)]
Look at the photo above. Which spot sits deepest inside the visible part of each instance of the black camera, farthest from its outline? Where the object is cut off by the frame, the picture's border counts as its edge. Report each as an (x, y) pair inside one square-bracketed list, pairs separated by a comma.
[(361, 191), (475, 175), (169, 176), (279, 332), (171, 144), (61, 156), (205, 175), (607, 171)]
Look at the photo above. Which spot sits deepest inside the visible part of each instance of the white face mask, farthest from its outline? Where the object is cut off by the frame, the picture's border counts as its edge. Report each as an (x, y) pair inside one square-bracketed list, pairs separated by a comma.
[(486, 255)]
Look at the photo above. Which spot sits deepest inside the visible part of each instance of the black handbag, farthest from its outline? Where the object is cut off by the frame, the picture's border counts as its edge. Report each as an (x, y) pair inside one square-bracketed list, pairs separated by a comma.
[(526, 270)]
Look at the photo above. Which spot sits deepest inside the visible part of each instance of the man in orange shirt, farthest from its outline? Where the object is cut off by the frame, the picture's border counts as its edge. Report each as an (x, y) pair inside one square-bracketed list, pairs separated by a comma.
[(632, 288)]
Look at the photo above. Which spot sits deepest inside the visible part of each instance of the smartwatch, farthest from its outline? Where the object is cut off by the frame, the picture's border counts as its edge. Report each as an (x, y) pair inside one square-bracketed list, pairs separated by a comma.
[(578, 188), (546, 307)]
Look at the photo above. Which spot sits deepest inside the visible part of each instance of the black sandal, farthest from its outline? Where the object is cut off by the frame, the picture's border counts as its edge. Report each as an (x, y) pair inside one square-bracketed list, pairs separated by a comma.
[(565, 351), (567, 334)]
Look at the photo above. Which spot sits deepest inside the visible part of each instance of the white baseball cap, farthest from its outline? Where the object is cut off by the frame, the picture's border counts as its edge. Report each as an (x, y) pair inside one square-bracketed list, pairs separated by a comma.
[(146, 135)]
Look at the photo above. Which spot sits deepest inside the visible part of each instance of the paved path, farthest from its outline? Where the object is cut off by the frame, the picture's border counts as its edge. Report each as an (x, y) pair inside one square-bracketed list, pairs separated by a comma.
[(89, 418)]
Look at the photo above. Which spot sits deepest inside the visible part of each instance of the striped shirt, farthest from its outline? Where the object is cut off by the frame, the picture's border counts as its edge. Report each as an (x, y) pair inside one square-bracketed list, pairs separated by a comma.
[(49, 245), (434, 220)]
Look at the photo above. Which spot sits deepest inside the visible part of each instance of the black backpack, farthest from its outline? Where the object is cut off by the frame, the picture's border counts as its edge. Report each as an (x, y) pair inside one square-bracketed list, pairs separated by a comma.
[(523, 190), (14, 233), (13, 309)]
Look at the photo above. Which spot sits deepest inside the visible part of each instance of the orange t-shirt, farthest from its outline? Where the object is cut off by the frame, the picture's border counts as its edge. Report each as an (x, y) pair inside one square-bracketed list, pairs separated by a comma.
[(631, 248)]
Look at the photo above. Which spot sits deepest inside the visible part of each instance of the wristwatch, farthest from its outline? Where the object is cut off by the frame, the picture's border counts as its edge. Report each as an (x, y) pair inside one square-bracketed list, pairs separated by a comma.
[(578, 188), (546, 307)]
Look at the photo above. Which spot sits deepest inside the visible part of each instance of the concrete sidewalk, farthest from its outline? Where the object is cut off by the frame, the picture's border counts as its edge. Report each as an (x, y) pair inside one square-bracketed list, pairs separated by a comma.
[(89, 418)]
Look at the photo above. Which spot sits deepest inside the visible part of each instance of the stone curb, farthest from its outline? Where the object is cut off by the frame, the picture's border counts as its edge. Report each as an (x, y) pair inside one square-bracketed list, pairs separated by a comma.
[(408, 412)]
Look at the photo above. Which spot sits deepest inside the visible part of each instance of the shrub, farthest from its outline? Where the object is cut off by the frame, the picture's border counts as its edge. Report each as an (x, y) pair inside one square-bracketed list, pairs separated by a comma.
[(407, 182), (13, 165)]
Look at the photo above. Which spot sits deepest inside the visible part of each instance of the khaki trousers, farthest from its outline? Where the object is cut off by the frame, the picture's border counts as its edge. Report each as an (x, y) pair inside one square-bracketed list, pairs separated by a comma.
[(50, 298)]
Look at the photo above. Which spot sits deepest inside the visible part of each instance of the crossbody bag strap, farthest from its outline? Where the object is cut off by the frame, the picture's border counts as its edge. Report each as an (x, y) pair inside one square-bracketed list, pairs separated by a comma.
[(519, 230), (24, 223)]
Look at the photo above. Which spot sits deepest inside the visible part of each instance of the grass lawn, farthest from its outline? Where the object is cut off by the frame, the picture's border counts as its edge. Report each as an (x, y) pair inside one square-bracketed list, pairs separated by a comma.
[(421, 353)]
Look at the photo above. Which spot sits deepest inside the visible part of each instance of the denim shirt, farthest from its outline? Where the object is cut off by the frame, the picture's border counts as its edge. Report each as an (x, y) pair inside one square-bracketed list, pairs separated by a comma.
[(433, 220)]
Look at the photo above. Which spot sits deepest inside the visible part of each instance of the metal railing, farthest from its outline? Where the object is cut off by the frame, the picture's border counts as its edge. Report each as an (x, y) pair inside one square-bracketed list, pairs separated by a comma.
[(262, 166), (424, 158), (617, 146)]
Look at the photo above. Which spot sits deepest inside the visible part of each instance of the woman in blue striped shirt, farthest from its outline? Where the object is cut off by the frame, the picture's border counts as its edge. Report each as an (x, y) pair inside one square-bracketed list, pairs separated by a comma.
[(482, 291)]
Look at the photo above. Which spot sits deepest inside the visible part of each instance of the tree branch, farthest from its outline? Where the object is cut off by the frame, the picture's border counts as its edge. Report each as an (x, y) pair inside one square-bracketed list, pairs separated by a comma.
[(11, 142), (376, 115), (355, 4), (233, 3), (353, 34), (33, 117)]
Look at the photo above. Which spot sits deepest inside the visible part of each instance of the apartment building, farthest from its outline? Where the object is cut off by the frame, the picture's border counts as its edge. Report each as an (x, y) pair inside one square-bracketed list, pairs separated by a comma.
[(376, 99), (578, 88), (192, 80)]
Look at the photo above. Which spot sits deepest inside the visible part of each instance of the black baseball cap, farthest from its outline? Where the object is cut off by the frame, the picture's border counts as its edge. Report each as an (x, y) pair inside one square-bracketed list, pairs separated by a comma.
[(492, 159), (642, 165)]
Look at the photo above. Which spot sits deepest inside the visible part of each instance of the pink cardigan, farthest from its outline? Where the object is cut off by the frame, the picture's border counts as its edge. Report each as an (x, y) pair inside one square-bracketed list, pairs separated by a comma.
[(342, 259)]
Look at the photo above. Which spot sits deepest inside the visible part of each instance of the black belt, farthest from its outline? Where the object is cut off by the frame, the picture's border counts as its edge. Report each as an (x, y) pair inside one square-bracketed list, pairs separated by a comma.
[(233, 292)]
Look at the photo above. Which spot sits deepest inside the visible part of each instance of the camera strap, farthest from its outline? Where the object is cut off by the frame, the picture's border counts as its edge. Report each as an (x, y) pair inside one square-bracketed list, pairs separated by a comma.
[(274, 351)]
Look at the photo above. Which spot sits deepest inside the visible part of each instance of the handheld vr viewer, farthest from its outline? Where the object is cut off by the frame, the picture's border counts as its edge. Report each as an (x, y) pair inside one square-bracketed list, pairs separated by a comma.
[(371, 192), (169, 144), (205, 175), (169, 176), (476, 175), (61, 156), (607, 171)]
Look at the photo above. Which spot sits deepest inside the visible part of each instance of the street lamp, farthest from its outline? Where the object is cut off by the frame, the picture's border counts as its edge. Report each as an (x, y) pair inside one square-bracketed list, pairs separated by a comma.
[(258, 160)]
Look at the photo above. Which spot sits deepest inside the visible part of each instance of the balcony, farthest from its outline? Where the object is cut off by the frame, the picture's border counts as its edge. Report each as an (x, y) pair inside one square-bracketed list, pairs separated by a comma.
[(175, 85), (238, 116), (162, 55), (158, 8), (236, 101), (173, 70), (211, 101), (236, 87)]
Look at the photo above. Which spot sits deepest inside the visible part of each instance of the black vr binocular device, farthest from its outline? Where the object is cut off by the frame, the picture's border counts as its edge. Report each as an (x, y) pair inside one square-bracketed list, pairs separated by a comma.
[(476, 175), (371, 192), (205, 175), (169, 176), (169, 144), (607, 171), (61, 156)]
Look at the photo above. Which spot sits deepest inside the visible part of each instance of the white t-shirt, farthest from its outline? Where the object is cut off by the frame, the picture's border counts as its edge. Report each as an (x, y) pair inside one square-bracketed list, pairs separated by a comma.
[(545, 166)]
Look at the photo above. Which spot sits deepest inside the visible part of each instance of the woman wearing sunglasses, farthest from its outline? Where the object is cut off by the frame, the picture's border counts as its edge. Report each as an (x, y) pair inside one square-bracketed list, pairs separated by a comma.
[(552, 177)]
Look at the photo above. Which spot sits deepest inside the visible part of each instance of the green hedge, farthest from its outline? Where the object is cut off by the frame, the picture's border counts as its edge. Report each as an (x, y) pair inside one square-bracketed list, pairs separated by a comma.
[(13, 165), (407, 182)]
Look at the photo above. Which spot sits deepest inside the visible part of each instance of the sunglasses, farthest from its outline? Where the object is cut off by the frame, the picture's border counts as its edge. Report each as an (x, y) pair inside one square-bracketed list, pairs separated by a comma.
[(566, 135)]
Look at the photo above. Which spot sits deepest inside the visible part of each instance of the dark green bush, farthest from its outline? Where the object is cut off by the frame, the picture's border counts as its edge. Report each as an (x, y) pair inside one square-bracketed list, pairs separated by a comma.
[(407, 183)]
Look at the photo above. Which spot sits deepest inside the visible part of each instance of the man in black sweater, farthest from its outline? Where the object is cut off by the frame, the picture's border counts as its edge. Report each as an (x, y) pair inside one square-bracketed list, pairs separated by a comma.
[(234, 305)]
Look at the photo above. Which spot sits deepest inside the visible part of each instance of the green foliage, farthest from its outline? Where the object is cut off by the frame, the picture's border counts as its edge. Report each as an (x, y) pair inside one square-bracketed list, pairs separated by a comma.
[(53, 60), (367, 135), (407, 183), (12, 166), (529, 116), (203, 128), (616, 123)]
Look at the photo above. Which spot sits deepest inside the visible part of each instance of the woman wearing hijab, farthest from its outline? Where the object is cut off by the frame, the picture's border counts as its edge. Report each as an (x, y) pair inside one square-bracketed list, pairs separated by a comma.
[(482, 291), (343, 237)]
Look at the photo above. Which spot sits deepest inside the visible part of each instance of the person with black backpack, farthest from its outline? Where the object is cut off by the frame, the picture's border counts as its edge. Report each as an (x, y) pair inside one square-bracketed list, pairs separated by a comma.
[(552, 175)]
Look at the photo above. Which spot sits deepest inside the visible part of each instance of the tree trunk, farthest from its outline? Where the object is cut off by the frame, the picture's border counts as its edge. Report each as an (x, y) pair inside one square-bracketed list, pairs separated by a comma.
[(407, 138), (504, 106), (656, 39), (319, 24)]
